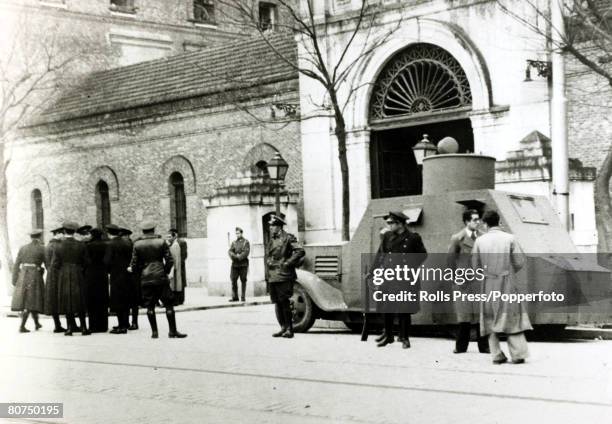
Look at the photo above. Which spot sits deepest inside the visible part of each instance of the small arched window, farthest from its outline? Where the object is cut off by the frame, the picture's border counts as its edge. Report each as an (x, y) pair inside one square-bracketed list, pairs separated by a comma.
[(178, 204), (103, 206), (38, 215)]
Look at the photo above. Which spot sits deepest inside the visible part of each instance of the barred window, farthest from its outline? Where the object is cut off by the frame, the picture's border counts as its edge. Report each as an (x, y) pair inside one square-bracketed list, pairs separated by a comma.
[(103, 206), (267, 16), (178, 204), (38, 215), (204, 11)]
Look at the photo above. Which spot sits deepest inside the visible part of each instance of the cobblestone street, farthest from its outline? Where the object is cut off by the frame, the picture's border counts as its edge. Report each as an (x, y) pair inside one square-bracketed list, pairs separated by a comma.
[(230, 370)]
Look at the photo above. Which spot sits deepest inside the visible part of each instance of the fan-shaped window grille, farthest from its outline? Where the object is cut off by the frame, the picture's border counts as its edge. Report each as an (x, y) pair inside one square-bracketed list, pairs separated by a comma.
[(420, 79)]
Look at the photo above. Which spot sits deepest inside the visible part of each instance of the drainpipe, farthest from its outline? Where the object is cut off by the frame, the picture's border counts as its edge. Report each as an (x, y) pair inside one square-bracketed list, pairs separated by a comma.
[(560, 160)]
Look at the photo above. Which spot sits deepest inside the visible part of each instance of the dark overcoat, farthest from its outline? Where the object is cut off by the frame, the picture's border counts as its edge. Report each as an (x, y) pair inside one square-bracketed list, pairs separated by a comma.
[(117, 259), (51, 287), (70, 261), (28, 278), (151, 260), (96, 280), (284, 254), (406, 248)]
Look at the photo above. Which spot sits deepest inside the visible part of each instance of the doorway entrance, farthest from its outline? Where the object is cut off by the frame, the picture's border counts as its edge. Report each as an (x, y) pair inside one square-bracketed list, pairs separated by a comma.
[(394, 169)]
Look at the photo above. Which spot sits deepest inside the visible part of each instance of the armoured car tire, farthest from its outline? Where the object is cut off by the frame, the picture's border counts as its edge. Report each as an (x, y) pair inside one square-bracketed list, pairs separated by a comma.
[(303, 310)]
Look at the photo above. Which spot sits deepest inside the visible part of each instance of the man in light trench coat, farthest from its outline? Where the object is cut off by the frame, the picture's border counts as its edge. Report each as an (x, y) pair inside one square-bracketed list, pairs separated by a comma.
[(500, 255)]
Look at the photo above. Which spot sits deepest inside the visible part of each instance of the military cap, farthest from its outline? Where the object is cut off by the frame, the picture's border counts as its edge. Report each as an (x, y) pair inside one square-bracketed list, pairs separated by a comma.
[(113, 229), (147, 225), (276, 220), (57, 230), (70, 226), (397, 216), (37, 232), (125, 231), (84, 229)]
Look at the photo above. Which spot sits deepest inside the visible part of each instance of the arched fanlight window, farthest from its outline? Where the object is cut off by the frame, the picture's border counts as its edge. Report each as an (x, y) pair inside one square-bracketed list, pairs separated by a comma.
[(178, 204), (103, 206), (423, 78), (38, 215)]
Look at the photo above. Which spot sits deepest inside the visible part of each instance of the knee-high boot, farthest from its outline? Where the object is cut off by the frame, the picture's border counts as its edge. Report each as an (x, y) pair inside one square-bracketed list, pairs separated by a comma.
[(153, 323), (288, 319), (24, 318), (173, 333), (280, 315), (134, 325)]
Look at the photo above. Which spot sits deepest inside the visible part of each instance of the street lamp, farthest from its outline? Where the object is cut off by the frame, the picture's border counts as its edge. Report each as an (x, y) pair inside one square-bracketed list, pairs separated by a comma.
[(277, 169), (423, 149)]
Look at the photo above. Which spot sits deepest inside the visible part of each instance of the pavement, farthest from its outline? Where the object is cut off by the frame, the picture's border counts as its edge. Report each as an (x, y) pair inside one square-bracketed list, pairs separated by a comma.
[(230, 370), (196, 299)]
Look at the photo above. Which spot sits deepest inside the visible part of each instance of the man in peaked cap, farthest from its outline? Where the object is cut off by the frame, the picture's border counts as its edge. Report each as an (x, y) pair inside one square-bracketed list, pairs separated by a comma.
[(28, 280), (399, 239), (284, 254), (51, 287), (69, 261), (135, 295), (152, 261), (83, 233)]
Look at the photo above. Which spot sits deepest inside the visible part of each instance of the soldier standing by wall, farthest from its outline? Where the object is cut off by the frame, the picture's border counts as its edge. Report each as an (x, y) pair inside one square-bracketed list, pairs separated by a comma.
[(51, 289), (152, 262), (284, 254), (70, 261), (176, 277), (459, 256), (239, 254), (28, 281)]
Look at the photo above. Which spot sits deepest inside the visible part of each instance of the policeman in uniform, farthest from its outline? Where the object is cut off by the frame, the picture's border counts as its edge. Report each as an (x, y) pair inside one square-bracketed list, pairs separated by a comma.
[(70, 261), (284, 254), (117, 259), (28, 280), (239, 254), (152, 262), (399, 239), (51, 288)]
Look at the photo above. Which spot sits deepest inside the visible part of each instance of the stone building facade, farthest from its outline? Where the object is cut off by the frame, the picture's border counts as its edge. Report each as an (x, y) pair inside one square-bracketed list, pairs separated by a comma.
[(446, 68), (167, 140)]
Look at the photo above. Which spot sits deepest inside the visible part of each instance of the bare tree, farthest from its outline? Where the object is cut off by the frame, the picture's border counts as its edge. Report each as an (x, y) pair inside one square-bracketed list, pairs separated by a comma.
[(363, 36), (588, 39), (38, 60)]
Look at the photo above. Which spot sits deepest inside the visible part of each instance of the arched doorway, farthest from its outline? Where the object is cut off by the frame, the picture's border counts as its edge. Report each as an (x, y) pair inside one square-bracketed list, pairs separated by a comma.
[(103, 206), (421, 90)]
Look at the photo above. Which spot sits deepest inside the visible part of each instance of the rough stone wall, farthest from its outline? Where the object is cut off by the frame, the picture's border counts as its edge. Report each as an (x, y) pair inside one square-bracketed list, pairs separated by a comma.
[(142, 155)]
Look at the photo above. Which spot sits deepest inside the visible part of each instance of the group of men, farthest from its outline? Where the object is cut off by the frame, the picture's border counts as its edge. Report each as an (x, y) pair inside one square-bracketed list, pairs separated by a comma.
[(495, 251), (82, 263)]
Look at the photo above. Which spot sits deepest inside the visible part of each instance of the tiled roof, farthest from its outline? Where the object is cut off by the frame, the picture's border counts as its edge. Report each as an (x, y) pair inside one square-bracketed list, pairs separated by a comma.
[(231, 66)]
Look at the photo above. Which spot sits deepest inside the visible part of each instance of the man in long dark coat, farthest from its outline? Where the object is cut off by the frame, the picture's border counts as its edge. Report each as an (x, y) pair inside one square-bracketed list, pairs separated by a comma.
[(51, 287), (70, 261), (399, 240), (117, 259), (239, 254), (96, 278), (284, 254), (152, 262), (28, 280)]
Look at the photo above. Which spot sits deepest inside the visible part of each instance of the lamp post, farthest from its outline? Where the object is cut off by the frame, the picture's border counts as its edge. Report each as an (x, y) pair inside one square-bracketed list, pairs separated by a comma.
[(277, 169), (421, 150)]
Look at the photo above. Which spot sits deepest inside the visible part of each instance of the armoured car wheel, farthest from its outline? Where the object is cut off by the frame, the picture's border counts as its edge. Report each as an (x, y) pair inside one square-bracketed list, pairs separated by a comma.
[(302, 309)]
